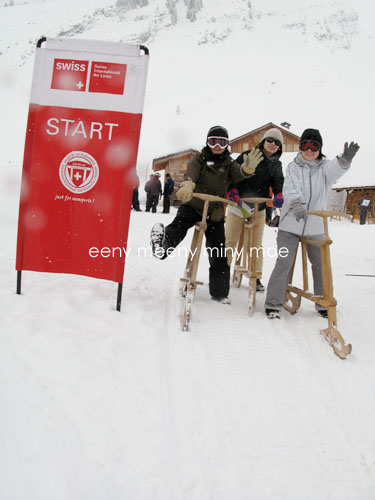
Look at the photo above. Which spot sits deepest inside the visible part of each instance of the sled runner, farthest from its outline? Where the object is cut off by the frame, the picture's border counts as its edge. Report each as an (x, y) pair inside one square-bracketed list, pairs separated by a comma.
[(189, 282), (294, 295), (245, 262)]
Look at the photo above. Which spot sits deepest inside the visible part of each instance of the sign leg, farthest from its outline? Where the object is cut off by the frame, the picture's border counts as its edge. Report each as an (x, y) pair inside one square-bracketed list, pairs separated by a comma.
[(119, 295), (19, 278)]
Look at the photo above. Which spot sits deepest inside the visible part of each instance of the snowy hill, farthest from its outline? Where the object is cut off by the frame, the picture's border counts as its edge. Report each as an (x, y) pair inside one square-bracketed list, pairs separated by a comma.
[(238, 63), (100, 405)]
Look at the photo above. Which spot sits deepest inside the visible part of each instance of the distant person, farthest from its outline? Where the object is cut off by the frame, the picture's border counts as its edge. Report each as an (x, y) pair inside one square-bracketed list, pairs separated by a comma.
[(154, 191), (135, 198), (307, 184), (268, 175), (210, 172), (364, 207), (167, 192)]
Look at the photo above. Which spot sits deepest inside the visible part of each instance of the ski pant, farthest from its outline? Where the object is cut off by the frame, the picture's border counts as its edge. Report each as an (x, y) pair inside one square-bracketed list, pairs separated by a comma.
[(219, 271), (135, 199), (362, 215), (166, 203), (269, 211), (152, 202), (279, 279), (233, 228)]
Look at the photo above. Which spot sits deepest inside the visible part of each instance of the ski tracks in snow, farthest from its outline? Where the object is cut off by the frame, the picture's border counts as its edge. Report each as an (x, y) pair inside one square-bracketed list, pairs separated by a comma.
[(255, 401)]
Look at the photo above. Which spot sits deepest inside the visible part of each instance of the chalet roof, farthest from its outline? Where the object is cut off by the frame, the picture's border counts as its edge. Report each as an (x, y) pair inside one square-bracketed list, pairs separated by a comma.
[(173, 155), (266, 126)]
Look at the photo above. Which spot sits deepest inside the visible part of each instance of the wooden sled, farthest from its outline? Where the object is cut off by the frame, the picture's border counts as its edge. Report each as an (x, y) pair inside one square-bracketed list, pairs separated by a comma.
[(189, 281), (244, 264), (294, 295)]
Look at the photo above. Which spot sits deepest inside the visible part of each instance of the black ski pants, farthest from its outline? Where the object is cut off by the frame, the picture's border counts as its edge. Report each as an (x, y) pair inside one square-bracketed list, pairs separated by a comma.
[(166, 203), (219, 271), (362, 215), (152, 201), (135, 199)]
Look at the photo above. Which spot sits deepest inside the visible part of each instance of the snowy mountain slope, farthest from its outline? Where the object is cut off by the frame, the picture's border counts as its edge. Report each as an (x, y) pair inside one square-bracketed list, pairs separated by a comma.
[(241, 64), (98, 404)]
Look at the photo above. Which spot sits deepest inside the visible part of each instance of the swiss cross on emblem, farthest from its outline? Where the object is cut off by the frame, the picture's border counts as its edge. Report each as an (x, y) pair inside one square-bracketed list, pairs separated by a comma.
[(79, 172)]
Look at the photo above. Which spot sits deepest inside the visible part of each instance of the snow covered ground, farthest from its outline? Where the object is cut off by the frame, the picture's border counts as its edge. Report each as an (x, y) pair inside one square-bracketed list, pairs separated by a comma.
[(100, 405)]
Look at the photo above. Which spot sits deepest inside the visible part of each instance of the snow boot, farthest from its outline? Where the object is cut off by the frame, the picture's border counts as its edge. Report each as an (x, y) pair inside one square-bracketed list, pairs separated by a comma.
[(260, 287), (222, 300), (273, 313), (157, 241)]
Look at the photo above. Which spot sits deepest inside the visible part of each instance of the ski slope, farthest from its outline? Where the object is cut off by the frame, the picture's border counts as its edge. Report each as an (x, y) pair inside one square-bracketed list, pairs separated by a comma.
[(99, 404)]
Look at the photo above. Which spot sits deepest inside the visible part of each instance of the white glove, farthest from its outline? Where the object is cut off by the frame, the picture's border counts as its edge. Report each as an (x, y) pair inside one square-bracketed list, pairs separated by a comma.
[(185, 193)]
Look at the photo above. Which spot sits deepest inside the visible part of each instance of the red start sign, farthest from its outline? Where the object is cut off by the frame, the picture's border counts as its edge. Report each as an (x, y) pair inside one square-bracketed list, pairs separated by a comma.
[(80, 157)]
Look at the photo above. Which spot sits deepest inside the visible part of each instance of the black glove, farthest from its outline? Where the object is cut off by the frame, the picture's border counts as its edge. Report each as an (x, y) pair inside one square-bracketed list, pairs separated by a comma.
[(349, 151)]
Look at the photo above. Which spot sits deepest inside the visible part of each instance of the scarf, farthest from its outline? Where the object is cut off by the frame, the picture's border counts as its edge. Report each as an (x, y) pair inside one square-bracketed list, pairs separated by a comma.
[(305, 163)]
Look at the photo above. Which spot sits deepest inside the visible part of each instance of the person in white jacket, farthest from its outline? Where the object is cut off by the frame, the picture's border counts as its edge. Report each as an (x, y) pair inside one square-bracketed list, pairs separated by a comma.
[(308, 180)]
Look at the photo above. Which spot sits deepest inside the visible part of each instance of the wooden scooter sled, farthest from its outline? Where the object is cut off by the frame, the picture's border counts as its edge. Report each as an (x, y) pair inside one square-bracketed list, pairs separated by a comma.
[(244, 264), (189, 281), (294, 295)]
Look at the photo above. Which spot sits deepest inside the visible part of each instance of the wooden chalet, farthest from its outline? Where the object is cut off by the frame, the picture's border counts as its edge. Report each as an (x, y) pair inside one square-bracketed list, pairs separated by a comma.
[(251, 139), (174, 164), (353, 194)]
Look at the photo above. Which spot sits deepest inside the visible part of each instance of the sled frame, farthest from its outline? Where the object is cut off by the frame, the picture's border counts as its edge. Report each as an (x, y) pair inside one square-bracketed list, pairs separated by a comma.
[(189, 279), (245, 262), (294, 294)]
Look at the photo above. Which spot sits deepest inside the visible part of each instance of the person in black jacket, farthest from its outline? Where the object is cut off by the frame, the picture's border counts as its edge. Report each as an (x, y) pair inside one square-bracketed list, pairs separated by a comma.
[(211, 171), (268, 174), (154, 191), (168, 191)]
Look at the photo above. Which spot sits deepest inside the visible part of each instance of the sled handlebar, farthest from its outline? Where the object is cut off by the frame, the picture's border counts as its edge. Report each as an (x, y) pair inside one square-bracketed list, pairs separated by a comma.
[(328, 213), (211, 197), (256, 200)]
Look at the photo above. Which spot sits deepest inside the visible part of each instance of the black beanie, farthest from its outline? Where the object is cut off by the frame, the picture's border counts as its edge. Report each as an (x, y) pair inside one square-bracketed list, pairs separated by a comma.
[(218, 131), (312, 134)]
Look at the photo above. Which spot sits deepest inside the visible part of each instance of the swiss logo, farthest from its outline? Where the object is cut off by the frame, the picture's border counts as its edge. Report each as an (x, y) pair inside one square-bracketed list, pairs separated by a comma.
[(79, 172), (69, 74)]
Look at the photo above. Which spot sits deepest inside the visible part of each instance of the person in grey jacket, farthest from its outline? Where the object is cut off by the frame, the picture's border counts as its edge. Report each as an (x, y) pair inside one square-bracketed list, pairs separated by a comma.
[(308, 180)]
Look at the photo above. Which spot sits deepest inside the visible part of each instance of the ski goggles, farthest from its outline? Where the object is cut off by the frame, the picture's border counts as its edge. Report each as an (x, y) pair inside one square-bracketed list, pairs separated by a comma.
[(271, 140), (213, 141), (313, 145)]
